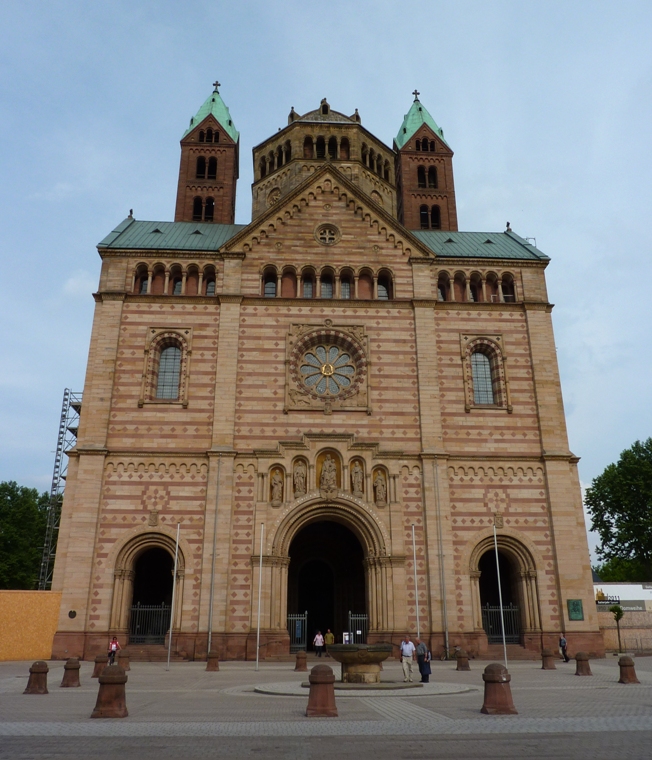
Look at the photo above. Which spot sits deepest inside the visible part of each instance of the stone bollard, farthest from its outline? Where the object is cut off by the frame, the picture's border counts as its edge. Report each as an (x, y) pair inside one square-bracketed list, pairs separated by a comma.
[(582, 668), (302, 662), (627, 671), (123, 660), (321, 700), (38, 678), (462, 658), (212, 661), (100, 664), (111, 696), (497, 692), (71, 672), (548, 660)]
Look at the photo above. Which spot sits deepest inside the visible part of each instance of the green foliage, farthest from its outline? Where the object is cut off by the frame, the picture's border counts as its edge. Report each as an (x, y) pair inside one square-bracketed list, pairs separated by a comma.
[(23, 519), (619, 570), (620, 504), (617, 611)]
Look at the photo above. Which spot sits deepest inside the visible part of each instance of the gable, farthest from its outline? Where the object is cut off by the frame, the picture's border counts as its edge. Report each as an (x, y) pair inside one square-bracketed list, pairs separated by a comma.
[(210, 122)]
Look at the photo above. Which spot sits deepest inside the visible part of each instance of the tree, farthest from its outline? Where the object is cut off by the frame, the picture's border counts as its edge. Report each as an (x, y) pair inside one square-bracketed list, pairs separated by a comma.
[(620, 504), (23, 519), (619, 570), (618, 612)]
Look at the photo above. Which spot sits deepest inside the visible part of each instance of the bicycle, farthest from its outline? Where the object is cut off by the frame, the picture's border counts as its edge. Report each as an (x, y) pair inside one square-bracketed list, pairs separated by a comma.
[(449, 654)]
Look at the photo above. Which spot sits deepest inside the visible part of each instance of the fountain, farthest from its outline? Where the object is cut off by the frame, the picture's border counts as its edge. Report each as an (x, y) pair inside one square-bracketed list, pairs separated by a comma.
[(360, 662)]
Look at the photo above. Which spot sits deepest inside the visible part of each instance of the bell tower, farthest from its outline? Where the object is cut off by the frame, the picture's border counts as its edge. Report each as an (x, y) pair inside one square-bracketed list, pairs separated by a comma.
[(424, 173), (208, 170)]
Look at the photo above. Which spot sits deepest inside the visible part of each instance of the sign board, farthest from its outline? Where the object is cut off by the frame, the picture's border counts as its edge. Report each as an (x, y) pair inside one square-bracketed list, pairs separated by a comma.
[(575, 609)]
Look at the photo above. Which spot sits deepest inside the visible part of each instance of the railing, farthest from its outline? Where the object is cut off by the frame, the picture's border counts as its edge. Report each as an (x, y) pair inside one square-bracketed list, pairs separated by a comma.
[(358, 627), (298, 630), (492, 626), (149, 623)]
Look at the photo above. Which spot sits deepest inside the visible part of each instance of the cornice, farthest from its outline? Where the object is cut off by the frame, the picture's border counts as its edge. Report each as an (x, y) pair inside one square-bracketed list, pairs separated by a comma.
[(538, 306), (157, 253), (109, 295), (230, 298)]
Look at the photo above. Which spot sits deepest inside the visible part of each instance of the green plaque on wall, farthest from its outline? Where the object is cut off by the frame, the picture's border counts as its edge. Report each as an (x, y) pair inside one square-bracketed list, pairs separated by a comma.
[(575, 609)]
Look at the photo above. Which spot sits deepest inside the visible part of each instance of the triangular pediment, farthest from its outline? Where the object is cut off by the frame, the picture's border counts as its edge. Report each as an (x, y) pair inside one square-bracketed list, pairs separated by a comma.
[(328, 183), (426, 133)]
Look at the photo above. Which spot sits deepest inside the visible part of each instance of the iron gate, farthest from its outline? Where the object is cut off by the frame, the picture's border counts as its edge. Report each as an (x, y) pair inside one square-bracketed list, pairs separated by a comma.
[(149, 623), (492, 627), (298, 630), (358, 626)]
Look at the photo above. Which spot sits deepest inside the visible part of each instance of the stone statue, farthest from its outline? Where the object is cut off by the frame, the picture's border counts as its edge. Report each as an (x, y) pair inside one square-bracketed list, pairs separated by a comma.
[(299, 479), (381, 488), (357, 479), (277, 487), (328, 480)]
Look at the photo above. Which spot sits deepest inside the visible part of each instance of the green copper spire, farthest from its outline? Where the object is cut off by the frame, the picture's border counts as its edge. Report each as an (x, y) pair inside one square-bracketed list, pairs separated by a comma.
[(214, 105), (416, 116)]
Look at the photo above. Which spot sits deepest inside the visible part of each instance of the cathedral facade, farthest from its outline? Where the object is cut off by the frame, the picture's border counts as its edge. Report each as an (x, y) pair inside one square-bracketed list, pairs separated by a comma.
[(334, 407)]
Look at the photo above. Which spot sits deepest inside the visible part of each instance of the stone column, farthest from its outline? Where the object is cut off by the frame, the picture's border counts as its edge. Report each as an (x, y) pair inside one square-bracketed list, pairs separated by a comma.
[(167, 282)]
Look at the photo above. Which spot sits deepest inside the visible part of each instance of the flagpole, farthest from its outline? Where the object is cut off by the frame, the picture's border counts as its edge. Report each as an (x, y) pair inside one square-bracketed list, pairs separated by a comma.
[(500, 597), (174, 586), (416, 588), (260, 589)]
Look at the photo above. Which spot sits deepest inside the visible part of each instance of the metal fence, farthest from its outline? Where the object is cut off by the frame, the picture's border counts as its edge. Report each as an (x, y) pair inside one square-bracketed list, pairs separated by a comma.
[(492, 627), (149, 623), (298, 630), (358, 627)]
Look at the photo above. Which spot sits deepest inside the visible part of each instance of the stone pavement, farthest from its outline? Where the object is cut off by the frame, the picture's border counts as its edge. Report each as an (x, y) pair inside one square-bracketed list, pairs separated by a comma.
[(187, 713)]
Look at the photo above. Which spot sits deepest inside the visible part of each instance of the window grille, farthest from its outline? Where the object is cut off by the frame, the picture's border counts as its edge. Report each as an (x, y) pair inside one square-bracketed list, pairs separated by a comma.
[(210, 288), (346, 289), (270, 288), (483, 392), (169, 372), (176, 290), (326, 289), (383, 292), (307, 288)]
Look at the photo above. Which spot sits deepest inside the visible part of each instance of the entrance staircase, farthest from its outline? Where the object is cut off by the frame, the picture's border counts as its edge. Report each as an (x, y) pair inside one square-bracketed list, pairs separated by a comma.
[(514, 652), (151, 653)]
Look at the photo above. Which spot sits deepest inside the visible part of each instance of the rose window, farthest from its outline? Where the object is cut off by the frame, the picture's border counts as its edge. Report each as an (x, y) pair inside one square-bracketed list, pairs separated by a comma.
[(327, 370)]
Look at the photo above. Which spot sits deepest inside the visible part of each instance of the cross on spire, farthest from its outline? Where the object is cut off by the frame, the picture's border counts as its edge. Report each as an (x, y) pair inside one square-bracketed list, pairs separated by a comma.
[(416, 94), (216, 84)]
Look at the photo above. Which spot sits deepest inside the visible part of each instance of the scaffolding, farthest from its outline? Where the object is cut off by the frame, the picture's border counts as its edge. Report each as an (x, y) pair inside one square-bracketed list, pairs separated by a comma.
[(68, 426)]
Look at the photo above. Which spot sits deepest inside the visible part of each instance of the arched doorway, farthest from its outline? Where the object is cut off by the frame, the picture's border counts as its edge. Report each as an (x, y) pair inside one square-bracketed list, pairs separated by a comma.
[(326, 577), (490, 598), (151, 605)]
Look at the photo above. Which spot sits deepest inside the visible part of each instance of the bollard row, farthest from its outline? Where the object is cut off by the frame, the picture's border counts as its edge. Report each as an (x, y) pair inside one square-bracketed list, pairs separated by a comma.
[(71, 672), (321, 699), (497, 692)]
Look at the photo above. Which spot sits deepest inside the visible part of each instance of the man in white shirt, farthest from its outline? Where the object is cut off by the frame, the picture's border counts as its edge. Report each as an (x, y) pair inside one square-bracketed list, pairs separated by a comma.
[(407, 657)]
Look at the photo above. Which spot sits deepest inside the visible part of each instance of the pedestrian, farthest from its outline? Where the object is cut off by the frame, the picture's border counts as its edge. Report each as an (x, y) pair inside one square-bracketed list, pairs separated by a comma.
[(427, 670), (563, 645), (318, 643), (422, 651), (329, 639), (407, 656), (114, 646)]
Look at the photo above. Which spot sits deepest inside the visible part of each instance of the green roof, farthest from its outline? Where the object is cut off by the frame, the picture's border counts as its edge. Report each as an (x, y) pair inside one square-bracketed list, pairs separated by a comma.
[(479, 245), (415, 118), (214, 105), (169, 236)]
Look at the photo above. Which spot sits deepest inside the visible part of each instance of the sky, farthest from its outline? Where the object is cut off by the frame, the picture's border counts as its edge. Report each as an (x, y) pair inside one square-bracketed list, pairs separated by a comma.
[(547, 106)]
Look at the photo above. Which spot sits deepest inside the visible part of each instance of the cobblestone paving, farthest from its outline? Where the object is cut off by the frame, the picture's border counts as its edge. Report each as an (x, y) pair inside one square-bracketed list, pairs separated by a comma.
[(188, 713)]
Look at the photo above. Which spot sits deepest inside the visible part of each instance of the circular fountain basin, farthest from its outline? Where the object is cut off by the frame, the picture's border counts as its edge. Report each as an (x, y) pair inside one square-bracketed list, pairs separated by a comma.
[(360, 662)]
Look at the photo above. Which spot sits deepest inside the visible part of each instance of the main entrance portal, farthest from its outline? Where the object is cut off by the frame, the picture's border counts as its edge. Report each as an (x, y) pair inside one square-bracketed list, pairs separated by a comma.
[(490, 599), (151, 605), (326, 577)]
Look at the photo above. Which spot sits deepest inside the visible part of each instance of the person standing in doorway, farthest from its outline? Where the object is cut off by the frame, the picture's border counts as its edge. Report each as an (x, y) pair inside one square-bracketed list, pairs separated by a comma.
[(329, 639), (407, 657), (318, 643), (114, 646), (563, 645)]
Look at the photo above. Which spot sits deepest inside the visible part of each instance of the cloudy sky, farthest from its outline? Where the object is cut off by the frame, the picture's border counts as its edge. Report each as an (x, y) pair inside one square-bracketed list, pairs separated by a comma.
[(547, 105)]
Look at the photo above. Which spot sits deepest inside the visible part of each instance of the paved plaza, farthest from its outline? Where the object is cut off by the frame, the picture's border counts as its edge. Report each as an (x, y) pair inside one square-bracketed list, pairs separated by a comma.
[(188, 713)]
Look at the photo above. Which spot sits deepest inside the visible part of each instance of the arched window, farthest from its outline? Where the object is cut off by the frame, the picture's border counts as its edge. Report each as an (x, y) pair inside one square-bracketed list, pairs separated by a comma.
[(475, 286), (432, 177), (307, 286), (509, 291), (365, 154), (288, 151), (212, 167), (384, 287), (176, 286), (263, 167), (423, 217), (424, 145), (209, 135), (143, 286), (483, 391), (346, 286), (209, 209), (202, 136), (169, 373), (421, 177), (308, 151), (196, 209), (210, 288), (288, 284), (270, 160), (418, 144), (443, 288), (345, 150), (279, 157), (269, 283), (326, 284), (332, 148), (435, 218), (321, 147), (201, 167), (216, 136), (386, 171), (365, 286)]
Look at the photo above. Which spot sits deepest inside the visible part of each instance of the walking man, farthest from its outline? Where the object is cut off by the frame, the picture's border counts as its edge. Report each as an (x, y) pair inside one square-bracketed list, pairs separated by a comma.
[(563, 645), (407, 656), (329, 639)]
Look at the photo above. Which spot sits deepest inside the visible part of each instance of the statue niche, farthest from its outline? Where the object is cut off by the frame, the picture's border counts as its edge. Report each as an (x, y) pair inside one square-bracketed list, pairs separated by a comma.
[(276, 487), (299, 478), (380, 489), (357, 479), (329, 477)]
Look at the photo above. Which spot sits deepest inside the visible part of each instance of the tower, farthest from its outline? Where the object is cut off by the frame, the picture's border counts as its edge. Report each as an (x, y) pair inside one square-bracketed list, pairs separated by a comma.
[(424, 173), (208, 171)]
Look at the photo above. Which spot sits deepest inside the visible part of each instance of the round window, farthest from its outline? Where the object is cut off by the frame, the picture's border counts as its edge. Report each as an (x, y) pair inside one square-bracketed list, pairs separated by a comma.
[(327, 370)]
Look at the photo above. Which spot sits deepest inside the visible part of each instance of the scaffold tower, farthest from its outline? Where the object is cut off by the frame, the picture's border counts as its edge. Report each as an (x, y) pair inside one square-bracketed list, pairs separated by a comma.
[(68, 426)]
